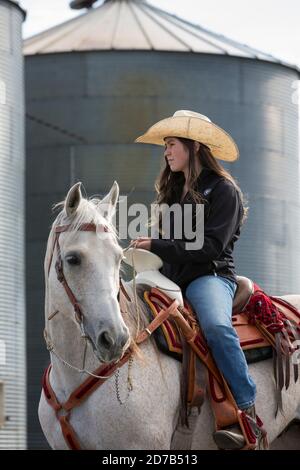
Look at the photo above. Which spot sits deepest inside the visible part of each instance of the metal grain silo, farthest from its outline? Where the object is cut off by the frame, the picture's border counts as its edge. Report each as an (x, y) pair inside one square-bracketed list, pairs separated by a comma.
[(12, 203), (99, 80)]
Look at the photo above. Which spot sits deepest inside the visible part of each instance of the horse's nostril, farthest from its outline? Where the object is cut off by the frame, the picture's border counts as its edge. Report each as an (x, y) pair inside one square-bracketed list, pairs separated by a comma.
[(105, 340), (108, 343)]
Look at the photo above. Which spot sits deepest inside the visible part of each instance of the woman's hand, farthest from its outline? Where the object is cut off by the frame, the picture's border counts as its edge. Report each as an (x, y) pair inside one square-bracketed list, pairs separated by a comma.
[(141, 242)]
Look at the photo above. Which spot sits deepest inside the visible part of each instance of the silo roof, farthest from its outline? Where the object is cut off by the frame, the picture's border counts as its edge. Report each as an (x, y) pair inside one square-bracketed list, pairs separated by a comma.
[(136, 25), (16, 2)]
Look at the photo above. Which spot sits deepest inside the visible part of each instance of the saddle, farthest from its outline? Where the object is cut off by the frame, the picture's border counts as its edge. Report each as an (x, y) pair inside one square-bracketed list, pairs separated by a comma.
[(251, 339), (255, 339)]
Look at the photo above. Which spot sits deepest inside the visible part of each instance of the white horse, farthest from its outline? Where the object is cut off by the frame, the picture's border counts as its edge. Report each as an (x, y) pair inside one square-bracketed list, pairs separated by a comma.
[(112, 417)]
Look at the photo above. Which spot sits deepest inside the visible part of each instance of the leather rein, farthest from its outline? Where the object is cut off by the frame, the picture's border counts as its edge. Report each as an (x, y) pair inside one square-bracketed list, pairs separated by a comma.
[(59, 264)]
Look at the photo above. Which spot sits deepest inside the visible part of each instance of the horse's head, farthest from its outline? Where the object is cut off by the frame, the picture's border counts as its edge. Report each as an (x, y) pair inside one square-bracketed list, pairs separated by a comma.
[(82, 271)]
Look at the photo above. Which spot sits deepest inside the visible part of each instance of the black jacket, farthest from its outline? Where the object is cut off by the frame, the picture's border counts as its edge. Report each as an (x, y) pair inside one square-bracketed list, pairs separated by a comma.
[(223, 212)]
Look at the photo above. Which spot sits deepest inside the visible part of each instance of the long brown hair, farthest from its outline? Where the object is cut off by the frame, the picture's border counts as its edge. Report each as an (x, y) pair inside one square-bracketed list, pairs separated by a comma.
[(169, 185)]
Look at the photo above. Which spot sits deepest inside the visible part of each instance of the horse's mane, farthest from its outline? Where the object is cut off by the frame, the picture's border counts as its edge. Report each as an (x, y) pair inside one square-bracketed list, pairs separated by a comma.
[(136, 310), (87, 212), (137, 318)]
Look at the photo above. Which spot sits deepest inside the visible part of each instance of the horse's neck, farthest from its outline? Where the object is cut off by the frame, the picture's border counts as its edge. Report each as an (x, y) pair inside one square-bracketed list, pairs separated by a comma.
[(134, 310), (65, 379)]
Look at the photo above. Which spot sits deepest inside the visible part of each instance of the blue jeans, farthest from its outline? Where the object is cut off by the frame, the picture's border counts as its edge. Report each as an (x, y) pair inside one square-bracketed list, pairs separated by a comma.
[(211, 298)]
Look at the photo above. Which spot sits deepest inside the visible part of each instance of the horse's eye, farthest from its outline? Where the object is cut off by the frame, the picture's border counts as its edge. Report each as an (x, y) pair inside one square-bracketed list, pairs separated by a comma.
[(73, 259)]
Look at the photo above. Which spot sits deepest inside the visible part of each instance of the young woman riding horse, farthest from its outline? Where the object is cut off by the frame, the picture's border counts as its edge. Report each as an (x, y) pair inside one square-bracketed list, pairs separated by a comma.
[(192, 174)]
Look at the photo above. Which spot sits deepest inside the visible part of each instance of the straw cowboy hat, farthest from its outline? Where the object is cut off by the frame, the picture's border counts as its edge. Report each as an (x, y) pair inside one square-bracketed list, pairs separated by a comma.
[(194, 126)]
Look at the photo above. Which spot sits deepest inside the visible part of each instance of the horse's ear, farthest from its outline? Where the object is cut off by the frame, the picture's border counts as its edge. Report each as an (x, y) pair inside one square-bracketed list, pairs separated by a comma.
[(73, 199), (108, 204)]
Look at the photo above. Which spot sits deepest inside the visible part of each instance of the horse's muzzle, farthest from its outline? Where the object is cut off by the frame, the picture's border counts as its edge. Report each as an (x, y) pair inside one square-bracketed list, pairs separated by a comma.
[(110, 347)]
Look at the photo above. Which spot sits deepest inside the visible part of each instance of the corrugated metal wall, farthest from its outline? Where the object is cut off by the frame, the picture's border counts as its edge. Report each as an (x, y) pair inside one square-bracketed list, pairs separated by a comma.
[(105, 100), (12, 289)]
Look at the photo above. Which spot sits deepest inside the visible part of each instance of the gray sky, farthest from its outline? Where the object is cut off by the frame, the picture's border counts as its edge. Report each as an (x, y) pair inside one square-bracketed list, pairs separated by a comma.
[(269, 25)]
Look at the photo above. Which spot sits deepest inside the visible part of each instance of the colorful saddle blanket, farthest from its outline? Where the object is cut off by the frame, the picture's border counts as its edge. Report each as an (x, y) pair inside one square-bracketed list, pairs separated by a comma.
[(263, 324)]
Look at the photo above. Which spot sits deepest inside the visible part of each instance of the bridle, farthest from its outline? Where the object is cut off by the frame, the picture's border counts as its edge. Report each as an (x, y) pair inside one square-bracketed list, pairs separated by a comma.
[(59, 265), (78, 313)]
